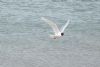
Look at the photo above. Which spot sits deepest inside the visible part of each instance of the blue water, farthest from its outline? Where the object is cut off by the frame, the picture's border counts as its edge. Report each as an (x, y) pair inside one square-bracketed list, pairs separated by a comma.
[(24, 37)]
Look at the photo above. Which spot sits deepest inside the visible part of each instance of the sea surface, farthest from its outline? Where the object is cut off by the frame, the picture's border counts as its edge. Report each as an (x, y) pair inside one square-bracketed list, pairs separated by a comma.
[(25, 41)]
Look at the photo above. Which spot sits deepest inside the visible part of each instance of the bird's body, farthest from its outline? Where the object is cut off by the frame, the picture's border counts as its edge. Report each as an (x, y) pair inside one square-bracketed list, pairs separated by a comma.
[(56, 36), (57, 33)]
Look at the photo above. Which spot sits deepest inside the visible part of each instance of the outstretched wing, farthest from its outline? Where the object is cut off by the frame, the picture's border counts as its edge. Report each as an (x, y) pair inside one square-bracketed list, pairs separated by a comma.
[(52, 24), (63, 28)]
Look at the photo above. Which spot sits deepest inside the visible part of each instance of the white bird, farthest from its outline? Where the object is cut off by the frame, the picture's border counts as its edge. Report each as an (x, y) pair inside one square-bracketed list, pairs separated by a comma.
[(57, 33)]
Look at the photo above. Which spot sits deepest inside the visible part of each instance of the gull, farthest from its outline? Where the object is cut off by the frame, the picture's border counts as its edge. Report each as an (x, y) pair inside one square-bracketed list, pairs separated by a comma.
[(57, 32)]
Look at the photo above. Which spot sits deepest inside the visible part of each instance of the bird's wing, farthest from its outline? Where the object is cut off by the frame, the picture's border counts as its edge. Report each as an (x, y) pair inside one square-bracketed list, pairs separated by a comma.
[(63, 28), (52, 24)]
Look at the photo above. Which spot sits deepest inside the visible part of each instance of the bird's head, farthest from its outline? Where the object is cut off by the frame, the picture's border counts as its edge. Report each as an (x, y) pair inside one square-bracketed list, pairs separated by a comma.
[(62, 34)]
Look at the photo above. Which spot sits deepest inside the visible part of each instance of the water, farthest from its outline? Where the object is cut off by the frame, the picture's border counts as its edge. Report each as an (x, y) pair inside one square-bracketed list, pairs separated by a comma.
[(24, 40)]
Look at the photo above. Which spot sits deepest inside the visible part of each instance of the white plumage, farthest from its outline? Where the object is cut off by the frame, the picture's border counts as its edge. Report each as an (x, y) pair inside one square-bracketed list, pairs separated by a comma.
[(57, 32)]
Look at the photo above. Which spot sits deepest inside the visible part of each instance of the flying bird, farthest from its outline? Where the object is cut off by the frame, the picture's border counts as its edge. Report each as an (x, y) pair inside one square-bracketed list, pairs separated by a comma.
[(57, 32)]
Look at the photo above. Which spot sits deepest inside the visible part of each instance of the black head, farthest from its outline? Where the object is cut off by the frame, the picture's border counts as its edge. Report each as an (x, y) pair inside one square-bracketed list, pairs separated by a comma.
[(62, 34)]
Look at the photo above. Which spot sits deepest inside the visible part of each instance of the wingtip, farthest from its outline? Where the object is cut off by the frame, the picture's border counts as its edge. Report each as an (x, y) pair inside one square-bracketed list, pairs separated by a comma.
[(68, 21)]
